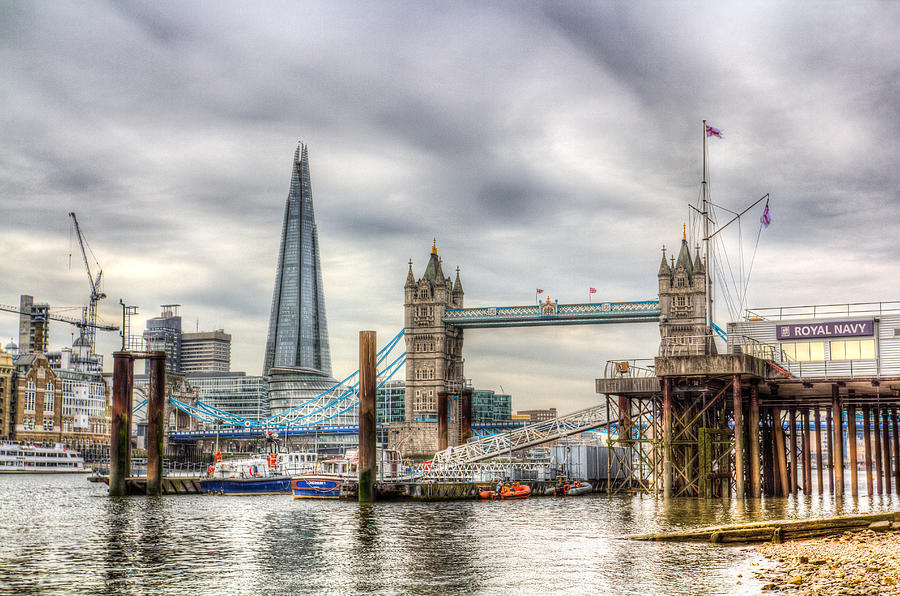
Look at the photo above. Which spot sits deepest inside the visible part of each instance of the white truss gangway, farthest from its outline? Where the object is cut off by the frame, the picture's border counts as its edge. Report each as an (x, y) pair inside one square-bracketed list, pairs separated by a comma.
[(521, 438)]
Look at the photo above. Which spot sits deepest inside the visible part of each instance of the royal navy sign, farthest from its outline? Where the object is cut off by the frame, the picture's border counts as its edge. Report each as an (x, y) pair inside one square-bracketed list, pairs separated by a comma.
[(829, 329)]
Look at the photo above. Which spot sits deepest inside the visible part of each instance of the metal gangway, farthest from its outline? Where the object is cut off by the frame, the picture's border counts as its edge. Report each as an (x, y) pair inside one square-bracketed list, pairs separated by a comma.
[(463, 461)]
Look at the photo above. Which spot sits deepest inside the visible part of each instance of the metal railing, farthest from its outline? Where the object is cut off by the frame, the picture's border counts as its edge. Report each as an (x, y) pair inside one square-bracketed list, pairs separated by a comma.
[(522, 438), (632, 368), (823, 310)]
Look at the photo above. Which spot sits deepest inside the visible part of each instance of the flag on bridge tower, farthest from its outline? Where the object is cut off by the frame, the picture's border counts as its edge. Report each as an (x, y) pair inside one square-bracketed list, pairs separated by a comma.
[(536, 292), (591, 291)]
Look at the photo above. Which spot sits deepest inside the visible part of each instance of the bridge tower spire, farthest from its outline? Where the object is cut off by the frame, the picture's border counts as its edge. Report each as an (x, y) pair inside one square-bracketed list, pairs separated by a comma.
[(682, 305)]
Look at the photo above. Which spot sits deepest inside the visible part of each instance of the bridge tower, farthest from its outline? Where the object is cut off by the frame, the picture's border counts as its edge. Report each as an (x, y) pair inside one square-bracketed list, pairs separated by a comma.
[(682, 305), (434, 365)]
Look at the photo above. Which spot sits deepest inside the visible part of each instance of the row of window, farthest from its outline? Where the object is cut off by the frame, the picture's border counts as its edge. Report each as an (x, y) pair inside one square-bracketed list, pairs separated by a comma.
[(814, 351), (31, 397)]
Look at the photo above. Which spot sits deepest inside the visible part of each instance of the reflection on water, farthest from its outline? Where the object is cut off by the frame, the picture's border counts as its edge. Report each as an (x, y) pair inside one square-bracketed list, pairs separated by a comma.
[(64, 535)]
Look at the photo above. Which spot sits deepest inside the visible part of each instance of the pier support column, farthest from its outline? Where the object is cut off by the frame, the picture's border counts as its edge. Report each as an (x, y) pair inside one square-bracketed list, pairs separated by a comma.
[(443, 416), (753, 424), (738, 438), (886, 448), (851, 447), (820, 457), (465, 415), (879, 465), (792, 418), (780, 462), (829, 450), (867, 447), (807, 453), (667, 437), (367, 420), (838, 441), (120, 424), (896, 449), (156, 405)]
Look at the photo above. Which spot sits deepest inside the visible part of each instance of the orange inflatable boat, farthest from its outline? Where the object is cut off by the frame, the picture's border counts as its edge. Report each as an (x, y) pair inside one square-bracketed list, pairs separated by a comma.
[(516, 491)]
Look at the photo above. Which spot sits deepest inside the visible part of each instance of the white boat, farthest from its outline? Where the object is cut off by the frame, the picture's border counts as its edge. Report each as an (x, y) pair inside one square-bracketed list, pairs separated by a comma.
[(17, 458), (259, 474)]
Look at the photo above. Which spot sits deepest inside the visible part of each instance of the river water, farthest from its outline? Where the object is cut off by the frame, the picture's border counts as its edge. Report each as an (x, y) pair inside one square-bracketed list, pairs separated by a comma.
[(61, 534)]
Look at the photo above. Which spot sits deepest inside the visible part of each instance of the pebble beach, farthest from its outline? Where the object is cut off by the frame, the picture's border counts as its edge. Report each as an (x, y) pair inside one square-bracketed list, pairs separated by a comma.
[(864, 562)]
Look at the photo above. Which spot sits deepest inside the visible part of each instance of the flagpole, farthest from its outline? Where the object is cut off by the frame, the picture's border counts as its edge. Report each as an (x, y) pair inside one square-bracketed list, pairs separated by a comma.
[(708, 269)]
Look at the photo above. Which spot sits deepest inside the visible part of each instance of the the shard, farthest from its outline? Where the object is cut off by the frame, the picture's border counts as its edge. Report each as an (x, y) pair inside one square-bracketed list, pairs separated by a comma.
[(298, 332)]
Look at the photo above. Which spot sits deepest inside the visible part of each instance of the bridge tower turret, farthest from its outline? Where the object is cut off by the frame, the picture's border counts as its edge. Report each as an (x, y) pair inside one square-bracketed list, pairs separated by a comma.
[(433, 348), (682, 305)]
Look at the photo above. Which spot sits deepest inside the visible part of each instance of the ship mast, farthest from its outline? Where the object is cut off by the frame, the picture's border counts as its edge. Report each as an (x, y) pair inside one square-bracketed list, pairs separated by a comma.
[(707, 271)]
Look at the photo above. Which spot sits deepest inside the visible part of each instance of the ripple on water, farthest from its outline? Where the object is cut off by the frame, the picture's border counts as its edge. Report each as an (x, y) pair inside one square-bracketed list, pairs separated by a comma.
[(61, 534)]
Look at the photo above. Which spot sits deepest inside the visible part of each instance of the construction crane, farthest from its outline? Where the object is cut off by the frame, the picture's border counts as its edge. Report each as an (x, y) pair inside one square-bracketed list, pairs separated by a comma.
[(89, 314), (54, 317)]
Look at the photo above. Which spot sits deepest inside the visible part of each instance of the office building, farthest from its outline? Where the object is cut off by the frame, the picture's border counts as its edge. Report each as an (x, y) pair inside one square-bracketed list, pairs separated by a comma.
[(34, 335), (163, 334), (205, 352), (233, 392)]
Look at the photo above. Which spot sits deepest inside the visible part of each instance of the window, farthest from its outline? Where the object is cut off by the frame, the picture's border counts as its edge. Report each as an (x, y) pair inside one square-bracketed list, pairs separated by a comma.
[(49, 399), (679, 282), (853, 349), (30, 394), (809, 351)]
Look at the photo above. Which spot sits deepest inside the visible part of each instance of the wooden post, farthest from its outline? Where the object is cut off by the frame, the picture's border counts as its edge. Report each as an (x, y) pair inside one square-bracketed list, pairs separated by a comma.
[(829, 450), (807, 453), (867, 446), (120, 424), (886, 448), (667, 437), (820, 457), (879, 464), (896, 448), (738, 438), (465, 415), (792, 417), (780, 463), (443, 419), (851, 445), (838, 440), (156, 405), (367, 420), (753, 424)]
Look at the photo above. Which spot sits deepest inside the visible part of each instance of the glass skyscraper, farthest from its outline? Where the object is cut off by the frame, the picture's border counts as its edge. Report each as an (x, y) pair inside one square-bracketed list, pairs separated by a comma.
[(298, 333)]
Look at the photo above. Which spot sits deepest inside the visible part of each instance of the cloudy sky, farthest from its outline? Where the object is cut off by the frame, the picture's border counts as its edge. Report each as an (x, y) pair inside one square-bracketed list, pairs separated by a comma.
[(545, 145)]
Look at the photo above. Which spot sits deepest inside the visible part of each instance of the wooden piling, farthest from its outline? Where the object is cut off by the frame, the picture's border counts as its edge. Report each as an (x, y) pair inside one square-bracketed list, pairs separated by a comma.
[(120, 424), (851, 445), (829, 450), (820, 457), (667, 437), (886, 448), (792, 417), (807, 454), (367, 420), (738, 438), (465, 415), (753, 427), (156, 405), (879, 464), (780, 463), (896, 426), (443, 419), (867, 447), (838, 440)]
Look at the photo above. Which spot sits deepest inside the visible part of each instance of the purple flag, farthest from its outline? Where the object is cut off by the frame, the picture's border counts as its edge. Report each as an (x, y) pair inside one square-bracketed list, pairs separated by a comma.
[(765, 220)]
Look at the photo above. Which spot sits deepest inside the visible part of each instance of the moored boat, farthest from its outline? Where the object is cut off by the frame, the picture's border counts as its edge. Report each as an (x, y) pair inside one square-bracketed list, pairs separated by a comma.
[(572, 489), (516, 491), (16, 458), (337, 477), (258, 475)]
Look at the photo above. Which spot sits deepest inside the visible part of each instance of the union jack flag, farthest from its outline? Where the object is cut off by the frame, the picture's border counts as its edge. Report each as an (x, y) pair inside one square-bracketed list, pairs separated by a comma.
[(539, 291), (765, 220), (712, 131), (593, 290)]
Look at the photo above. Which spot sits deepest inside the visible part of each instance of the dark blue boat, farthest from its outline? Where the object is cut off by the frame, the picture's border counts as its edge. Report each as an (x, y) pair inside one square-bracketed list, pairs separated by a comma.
[(313, 486), (262, 485)]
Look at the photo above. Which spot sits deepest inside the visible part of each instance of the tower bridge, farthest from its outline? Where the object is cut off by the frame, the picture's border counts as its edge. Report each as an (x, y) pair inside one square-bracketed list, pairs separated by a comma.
[(438, 403)]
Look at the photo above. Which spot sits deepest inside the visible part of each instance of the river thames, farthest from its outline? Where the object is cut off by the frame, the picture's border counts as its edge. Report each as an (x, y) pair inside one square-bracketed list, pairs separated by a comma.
[(62, 534)]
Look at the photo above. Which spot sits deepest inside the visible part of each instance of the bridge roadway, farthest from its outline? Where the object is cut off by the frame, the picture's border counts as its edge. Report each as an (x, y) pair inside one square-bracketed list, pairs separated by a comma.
[(550, 313), (330, 429)]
